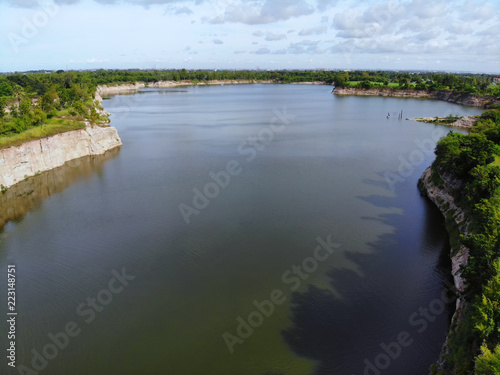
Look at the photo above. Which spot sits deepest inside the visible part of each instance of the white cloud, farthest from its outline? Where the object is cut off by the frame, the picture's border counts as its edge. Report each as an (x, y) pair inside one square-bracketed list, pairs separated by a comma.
[(313, 31), (271, 37), (263, 13), (305, 46), (262, 51), (386, 31)]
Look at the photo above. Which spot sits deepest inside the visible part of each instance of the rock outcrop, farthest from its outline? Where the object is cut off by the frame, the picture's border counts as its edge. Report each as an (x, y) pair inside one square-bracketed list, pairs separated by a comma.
[(30, 193), (33, 157), (449, 96), (105, 90), (463, 122), (440, 190)]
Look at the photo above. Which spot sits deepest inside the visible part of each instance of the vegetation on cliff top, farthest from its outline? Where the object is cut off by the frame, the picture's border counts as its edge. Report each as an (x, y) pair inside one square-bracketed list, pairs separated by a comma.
[(473, 160), (459, 83), (37, 105), (34, 106)]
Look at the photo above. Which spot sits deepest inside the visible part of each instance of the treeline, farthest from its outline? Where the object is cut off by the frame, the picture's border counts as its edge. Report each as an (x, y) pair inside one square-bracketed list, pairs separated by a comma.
[(32, 100), (480, 84), (36, 99), (463, 83), (474, 160)]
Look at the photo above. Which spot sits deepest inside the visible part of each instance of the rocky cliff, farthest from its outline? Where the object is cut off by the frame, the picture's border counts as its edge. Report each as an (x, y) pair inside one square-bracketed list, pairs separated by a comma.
[(449, 96), (30, 193), (105, 90), (125, 88), (439, 189), (18, 163)]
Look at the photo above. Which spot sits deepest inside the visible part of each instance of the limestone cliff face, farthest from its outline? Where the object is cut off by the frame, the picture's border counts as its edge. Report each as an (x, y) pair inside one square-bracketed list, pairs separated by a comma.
[(105, 90), (449, 96), (30, 193), (127, 88), (441, 194), (30, 158)]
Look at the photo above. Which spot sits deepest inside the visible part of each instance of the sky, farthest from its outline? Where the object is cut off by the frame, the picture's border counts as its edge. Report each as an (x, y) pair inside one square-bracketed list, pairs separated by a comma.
[(437, 35)]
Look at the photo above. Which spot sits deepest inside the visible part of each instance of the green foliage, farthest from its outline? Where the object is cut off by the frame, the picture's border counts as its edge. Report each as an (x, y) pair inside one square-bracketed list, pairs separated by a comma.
[(341, 79), (35, 100), (488, 362), (487, 309), (489, 125), (484, 181), (473, 159), (5, 87), (459, 154), (365, 84)]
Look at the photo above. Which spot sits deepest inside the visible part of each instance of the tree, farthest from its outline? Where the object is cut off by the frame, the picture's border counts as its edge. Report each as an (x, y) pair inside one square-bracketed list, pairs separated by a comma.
[(341, 79), (488, 362), (487, 309), (49, 100), (3, 106), (5, 88), (485, 180)]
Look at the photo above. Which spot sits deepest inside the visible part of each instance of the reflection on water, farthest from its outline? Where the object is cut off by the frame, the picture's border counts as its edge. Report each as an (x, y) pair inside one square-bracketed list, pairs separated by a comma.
[(323, 326), (27, 195), (321, 176)]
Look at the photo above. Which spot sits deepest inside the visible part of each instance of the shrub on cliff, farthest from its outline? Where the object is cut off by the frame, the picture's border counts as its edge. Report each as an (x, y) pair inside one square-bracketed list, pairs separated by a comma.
[(459, 154), (488, 362), (489, 125)]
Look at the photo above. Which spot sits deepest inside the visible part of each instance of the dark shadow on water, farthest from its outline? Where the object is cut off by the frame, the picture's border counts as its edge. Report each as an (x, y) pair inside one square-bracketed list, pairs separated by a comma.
[(407, 271), (27, 195)]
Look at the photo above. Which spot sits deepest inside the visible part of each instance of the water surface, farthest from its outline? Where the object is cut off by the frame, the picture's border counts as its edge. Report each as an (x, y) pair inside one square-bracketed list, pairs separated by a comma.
[(321, 171)]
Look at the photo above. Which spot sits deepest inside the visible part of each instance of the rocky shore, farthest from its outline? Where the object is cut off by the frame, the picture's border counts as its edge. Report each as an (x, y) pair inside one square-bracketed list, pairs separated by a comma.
[(34, 157), (439, 189), (106, 90), (449, 96), (463, 122)]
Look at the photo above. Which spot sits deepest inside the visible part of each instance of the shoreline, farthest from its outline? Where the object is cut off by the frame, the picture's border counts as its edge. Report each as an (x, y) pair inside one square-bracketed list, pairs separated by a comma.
[(455, 220), (18, 163), (128, 88), (448, 96), (463, 122)]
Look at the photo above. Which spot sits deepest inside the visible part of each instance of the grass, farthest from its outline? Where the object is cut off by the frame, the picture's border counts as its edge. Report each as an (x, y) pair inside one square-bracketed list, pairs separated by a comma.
[(53, 126), (497, 161)]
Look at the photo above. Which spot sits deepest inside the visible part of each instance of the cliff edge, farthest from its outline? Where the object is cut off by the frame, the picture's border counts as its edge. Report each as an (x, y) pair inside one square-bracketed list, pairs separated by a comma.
[(20, 162), (439, 188), (33, 157), (448, 96)]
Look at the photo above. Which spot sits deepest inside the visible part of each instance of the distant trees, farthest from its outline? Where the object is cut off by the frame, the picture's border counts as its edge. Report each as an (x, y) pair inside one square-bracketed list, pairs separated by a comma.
[(341, 79)]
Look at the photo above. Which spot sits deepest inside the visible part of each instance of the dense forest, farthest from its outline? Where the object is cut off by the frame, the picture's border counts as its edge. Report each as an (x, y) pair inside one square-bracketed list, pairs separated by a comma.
[(473, 162)]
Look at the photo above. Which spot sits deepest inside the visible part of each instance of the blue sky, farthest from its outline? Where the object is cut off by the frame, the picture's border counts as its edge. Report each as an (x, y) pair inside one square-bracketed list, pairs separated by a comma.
[(248, 34)]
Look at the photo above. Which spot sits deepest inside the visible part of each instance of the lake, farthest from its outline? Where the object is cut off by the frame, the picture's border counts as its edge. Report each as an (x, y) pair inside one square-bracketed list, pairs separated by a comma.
[(249, 229)]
